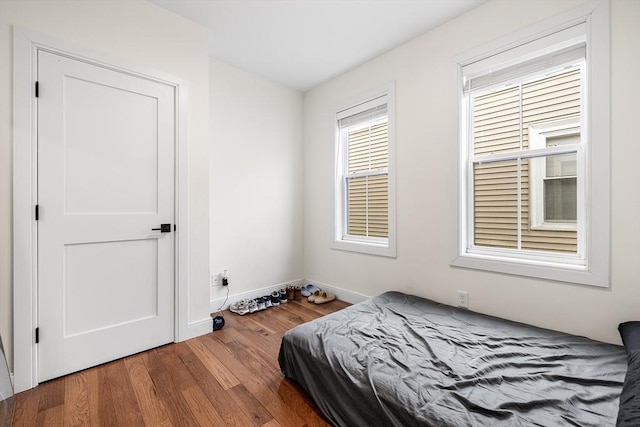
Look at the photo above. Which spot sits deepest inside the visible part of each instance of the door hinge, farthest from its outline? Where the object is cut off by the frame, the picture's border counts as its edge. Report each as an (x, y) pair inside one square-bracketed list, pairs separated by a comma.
[(37, 89), (37, 212), (174, 227), (37, 335)]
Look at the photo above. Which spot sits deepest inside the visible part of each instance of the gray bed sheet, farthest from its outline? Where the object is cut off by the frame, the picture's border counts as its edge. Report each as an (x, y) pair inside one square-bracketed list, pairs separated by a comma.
[(401, 360)]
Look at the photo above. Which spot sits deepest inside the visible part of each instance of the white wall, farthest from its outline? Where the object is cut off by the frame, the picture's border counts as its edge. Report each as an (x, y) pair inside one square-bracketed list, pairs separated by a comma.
[(138, 33), (256, 181), (426, 143)]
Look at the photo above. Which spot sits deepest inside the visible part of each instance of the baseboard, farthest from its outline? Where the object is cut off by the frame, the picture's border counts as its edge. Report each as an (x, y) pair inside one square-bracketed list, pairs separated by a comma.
[(220, 304), (340, 293), (200, 327)]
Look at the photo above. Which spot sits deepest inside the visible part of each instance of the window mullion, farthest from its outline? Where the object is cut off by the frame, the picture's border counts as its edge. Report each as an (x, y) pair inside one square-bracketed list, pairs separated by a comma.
[(366, 207), (367, 182), (519, 202)]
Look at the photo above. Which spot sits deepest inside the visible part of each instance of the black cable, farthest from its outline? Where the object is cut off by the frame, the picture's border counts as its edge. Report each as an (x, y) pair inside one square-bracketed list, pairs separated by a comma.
[(223, 304)]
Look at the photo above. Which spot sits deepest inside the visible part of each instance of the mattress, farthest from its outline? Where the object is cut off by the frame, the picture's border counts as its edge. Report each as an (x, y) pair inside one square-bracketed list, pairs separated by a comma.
[(401, 360)]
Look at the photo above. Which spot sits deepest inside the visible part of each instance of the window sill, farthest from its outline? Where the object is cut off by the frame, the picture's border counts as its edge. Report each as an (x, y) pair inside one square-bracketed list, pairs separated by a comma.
[(560, 272), (386, 250)]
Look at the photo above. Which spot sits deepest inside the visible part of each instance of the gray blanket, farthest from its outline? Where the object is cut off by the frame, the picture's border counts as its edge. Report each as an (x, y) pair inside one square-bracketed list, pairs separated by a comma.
[(401, 360)]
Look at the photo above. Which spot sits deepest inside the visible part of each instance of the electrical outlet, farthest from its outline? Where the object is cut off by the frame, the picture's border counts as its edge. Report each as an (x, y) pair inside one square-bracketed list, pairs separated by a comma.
[(216, 279), (224, 277), (463, 299)]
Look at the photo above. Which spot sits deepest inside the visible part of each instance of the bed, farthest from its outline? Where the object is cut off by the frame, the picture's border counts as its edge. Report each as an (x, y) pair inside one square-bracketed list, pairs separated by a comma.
[(401, 360)]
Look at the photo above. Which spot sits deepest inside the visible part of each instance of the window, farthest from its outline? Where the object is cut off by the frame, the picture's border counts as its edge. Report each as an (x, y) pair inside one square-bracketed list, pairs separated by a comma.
[(524, 190), (364, 176), (553, 183), (533, 187)]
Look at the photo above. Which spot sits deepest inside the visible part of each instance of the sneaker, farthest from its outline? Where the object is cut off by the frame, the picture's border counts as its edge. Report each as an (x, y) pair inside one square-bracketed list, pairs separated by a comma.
[(240, 307), (261, 304), (283, 296), (253, 306), (267, 301), (275, 298)]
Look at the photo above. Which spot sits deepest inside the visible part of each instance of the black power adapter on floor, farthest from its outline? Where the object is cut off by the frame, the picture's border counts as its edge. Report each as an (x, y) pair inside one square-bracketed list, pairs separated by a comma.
[(218, 323)]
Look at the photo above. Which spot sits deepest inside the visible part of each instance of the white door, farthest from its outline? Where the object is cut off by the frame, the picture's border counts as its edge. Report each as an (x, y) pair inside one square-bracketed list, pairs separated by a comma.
[(105, 179)]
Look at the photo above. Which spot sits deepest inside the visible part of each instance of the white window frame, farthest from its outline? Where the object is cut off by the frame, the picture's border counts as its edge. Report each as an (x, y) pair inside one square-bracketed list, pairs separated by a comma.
[(538, 135), (341, 239), (594, 267)]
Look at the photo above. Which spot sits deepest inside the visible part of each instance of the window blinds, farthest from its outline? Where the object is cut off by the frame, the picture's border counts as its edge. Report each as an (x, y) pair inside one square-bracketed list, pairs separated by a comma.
[(546, 53), (361, 113)]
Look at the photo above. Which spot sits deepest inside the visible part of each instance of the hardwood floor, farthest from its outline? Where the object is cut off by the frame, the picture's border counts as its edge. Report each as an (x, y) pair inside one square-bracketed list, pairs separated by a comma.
[(226, 378)]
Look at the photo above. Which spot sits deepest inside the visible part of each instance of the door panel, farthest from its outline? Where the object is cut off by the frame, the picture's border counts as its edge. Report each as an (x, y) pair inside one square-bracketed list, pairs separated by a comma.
[(105, 272), (98, 176), (105, 179)]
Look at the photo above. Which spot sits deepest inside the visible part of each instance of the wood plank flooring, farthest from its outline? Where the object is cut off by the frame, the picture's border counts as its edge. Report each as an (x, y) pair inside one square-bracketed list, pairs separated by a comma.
[(229, 377)]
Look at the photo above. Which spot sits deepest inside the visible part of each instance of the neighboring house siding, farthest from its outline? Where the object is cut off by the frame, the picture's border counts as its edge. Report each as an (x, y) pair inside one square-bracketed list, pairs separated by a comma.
[(498, 122), (368, 202)]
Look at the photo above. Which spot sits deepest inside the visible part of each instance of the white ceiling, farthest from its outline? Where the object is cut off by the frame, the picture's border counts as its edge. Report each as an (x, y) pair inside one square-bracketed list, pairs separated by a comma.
[(302, 43)]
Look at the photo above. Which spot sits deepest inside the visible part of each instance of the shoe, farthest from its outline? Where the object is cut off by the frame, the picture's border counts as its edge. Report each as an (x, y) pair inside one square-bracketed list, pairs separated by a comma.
[(283, 296), (324, 297), (315, 295), (261, 304), (290, 293), (267, 301), (297, 293), (275, 298), (253, 306), (308, 290), (240, 307)]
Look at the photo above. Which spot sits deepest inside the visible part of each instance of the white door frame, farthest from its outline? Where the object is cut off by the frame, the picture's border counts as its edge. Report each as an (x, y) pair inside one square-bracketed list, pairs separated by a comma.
[(25, 279)]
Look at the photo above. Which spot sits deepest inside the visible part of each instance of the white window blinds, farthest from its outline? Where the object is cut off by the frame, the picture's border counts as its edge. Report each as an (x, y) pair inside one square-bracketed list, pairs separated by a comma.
[(364, 135), (546, 53)]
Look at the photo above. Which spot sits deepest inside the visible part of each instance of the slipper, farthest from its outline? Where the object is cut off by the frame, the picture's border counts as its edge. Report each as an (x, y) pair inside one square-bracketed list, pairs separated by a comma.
[(324, 297), (314, 296), (308, 289)]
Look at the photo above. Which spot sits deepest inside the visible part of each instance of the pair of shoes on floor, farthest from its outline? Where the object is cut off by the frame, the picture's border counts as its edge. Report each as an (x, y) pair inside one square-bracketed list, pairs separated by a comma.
[(321, 297), (290, 292), (271, 300), (308, 290), (294, 293), (275, 298), (284, 298), (240, 307), (261, 303), (244, 306), (267, 301)]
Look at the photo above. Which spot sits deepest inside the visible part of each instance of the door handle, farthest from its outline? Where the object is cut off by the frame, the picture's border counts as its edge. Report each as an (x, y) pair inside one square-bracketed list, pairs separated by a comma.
[(164, 228)]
